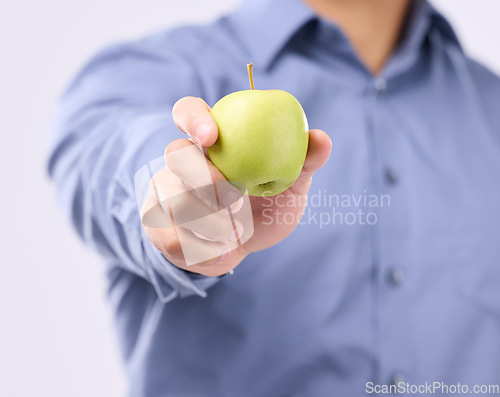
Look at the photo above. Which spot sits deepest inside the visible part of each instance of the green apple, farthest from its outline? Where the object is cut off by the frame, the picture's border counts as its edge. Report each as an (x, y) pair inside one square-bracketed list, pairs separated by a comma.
[(263, 138)]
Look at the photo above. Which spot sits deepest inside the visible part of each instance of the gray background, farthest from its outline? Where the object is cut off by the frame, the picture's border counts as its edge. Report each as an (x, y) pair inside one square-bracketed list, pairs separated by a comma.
[(56, 331)]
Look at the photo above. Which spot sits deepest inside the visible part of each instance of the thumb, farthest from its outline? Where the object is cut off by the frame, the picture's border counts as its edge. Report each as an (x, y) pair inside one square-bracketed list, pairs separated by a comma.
[(192, 116), (318, 153)]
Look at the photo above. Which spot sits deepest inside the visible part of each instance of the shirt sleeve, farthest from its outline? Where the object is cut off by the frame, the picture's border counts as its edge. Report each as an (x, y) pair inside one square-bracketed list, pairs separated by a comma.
[(114, 118)]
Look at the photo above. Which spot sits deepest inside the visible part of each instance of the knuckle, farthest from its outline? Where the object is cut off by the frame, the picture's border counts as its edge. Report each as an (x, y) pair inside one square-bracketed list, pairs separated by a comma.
[(177, 153), (176, 145)]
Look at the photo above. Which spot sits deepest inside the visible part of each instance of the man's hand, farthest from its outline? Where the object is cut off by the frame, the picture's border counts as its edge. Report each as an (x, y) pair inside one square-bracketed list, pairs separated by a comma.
[(193, 204)]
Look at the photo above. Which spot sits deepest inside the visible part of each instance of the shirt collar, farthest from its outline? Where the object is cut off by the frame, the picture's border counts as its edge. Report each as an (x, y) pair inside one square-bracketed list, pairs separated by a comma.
[(423, 18), (443, 25), (266, 26)]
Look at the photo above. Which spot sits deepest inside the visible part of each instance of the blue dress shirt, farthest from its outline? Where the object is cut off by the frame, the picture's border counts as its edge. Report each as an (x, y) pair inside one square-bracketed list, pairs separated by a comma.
[(393, 274)]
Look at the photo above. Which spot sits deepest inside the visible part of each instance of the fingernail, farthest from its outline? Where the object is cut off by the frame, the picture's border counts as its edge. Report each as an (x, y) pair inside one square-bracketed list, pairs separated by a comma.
[(203, 132)]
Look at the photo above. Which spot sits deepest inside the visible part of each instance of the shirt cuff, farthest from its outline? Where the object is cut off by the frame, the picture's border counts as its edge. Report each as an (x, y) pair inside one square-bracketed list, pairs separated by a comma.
[(171, 282)]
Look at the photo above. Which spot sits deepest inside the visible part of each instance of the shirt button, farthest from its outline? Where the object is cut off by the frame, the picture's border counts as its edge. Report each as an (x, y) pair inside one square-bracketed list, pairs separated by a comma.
[(395, 276), (380, 84), (396, 379), (390, 176)]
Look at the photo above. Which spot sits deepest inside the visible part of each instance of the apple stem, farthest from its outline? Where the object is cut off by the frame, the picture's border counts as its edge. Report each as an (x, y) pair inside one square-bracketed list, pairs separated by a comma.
[(250, 75)]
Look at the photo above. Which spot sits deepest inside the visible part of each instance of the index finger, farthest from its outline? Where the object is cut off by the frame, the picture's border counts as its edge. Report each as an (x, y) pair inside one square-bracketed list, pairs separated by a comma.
[(192, 116)]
